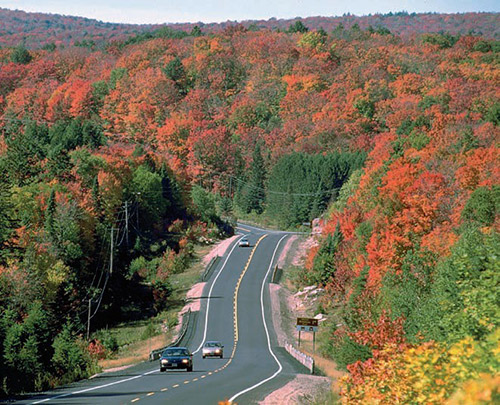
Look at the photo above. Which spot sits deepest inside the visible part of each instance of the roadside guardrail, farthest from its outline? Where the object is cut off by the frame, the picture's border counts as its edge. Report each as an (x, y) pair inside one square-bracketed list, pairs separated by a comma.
[(276, 275), (156, 354), (210, 266), (302, 358)]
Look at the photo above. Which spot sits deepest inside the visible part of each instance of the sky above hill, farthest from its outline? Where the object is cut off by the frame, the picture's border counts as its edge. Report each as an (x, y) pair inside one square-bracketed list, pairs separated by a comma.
[(170, 11)]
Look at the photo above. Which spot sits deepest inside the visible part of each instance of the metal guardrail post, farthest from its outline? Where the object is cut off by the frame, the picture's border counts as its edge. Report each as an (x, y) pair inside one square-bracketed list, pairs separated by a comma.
[(275, 273)]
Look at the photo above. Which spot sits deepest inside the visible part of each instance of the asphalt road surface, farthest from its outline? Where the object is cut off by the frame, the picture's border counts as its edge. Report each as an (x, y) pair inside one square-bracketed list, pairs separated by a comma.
[(235, 310)]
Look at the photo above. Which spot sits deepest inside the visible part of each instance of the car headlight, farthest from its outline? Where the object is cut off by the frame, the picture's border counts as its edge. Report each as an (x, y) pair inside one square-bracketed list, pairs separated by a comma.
[(185, 361), (217, 351), (164, 361), (206, 351)]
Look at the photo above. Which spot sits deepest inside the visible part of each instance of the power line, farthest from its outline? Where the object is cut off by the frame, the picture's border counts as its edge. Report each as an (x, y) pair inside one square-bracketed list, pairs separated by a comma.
[(244, 182), (26, 120), (113, 240)]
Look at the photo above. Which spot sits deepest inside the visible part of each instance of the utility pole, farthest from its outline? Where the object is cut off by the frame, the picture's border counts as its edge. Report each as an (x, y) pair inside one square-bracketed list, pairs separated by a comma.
[(111, 253), (88, 319), (151, 322)]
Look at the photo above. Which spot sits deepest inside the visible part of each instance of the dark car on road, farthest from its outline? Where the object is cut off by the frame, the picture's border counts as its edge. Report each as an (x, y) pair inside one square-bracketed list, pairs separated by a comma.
[(176, 357), (213, 349)]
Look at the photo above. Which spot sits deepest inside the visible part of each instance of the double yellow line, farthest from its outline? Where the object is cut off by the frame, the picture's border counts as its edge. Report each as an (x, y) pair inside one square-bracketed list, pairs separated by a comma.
[(235, 326), (237, 289)]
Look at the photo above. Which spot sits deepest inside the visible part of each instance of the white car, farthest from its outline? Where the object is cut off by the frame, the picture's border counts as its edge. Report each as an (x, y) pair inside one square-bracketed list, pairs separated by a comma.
[(213, 349), (244, 242)]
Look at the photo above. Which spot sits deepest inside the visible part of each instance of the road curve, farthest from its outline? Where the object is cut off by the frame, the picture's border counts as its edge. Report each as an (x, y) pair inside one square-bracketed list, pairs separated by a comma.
[(238, 315)]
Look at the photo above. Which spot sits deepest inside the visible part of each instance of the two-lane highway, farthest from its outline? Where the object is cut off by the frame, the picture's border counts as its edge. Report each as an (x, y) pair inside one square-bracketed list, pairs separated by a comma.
[(236, 311)]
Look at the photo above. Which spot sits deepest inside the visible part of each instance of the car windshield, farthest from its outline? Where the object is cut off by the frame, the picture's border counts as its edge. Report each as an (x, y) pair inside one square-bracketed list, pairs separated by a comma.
[(175, 352), (212, 344)]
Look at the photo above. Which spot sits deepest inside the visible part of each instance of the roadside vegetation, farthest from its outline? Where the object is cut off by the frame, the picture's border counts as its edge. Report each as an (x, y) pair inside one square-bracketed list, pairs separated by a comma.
[(117, 160), (131, 342), (110, 237)]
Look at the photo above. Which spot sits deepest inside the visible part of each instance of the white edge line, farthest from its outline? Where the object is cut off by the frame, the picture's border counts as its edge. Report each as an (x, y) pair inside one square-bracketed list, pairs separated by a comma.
[(153, 371), (210, 295), (280, 367), (94, 388)]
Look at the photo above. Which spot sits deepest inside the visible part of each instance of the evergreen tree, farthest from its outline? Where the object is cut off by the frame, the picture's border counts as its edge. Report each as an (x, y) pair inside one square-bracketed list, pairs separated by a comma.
[(225, 206), (310, 181), (25, 152), (5, 220), (50, 213), (298, 26), (96, 199), (171, 193), (175, 71), (256, 194), (70, 360), (92, 134), (324, 266), (27, 350), (21, 55), (196, 31)]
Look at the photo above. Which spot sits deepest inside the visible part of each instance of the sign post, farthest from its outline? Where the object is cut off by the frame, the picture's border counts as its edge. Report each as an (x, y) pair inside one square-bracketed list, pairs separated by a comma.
[(307, 325)]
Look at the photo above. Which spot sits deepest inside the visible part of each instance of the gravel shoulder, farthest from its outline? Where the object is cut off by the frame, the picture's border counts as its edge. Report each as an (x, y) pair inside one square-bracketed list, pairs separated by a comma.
[(303, 388)]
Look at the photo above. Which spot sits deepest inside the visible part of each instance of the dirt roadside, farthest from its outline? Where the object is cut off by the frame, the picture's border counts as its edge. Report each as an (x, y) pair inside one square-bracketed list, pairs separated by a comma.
[(194, 294), (303, 388)]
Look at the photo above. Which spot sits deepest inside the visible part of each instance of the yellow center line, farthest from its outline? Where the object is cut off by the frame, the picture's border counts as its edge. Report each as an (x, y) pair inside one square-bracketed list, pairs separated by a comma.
[(135, 400), (150, 393), (236, 333), (235, 321)]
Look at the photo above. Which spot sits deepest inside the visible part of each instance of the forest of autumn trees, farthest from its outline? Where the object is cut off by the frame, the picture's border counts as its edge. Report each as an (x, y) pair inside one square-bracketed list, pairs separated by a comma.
[(39, 30), (396, 135)]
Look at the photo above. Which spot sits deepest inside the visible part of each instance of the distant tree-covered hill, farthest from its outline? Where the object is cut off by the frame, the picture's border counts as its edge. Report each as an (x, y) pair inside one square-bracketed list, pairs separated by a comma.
[(36, 30)]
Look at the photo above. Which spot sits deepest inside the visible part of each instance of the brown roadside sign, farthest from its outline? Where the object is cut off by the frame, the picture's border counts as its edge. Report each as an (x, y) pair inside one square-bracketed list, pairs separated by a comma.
[(307, 322)]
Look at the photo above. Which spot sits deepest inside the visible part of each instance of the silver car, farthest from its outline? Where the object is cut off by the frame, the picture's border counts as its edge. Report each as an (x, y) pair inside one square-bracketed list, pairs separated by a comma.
[(213, 349), (244, 242)]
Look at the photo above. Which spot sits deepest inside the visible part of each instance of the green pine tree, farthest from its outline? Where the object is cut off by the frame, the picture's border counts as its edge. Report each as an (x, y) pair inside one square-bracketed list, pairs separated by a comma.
[(256, 192), (49, 214)]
